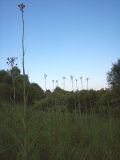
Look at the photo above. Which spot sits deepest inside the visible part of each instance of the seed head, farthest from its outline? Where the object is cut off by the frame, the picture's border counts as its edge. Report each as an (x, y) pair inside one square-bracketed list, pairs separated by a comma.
[(21, 6)]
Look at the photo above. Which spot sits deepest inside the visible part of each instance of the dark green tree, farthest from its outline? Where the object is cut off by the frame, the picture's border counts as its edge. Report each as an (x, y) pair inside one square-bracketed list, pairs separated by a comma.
[(113, 78), (5, 86), (35, 93)]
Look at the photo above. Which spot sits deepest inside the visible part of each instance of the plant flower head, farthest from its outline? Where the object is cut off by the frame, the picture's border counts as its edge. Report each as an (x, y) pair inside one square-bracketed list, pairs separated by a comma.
[(21, 6)]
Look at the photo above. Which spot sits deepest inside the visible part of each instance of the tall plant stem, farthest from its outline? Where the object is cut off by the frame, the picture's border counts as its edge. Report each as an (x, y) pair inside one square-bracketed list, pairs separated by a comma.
[(23, 65), (24, 90), (22, 6)]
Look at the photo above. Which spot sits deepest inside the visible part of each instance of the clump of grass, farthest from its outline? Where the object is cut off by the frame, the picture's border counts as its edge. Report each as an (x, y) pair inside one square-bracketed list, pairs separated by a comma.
[(58, 135)]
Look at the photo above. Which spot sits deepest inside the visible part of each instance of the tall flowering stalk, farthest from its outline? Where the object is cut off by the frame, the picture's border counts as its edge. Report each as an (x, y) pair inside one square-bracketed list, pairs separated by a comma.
[(45, 76), (53, 84), (72, 81), (63, 82), (87, 79), (76, 84), (22, 6), (56, 83), (81, 79)]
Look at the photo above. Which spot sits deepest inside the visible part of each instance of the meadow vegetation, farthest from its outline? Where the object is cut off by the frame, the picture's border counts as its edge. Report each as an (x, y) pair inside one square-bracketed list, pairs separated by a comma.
[(58, 125)]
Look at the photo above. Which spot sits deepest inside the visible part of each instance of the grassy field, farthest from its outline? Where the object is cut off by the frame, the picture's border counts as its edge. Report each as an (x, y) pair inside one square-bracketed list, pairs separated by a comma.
[(57, 135)]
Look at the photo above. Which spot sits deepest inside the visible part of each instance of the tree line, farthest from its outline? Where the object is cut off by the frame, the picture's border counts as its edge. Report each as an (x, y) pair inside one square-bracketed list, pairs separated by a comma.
[(11, 92)]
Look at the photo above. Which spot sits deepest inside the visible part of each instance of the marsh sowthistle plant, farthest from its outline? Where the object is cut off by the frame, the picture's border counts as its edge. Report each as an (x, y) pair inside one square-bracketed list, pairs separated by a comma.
[(81, 79), (22, 6), (45, 76), (56, 83), (87, 79), (63, 82), (11, 63), (53, 84), (76, 84), (72, 81)]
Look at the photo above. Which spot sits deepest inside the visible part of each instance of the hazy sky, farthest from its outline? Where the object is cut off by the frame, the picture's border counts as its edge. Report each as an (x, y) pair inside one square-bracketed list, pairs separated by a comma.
[(62, 38)]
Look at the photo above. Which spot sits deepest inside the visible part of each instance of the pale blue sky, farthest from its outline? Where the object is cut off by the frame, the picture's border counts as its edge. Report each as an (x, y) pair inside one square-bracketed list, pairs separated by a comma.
[(62, 38)]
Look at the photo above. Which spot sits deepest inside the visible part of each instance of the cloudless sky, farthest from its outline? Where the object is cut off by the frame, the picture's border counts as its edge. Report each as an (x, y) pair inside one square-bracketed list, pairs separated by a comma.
[(62, 38)]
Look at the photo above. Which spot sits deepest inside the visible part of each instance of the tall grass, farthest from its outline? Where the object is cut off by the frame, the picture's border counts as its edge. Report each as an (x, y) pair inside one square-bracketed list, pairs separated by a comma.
[(57, 135)]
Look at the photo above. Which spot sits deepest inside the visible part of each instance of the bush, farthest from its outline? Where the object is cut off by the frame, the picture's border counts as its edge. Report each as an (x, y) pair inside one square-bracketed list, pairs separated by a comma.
[(45, 104)]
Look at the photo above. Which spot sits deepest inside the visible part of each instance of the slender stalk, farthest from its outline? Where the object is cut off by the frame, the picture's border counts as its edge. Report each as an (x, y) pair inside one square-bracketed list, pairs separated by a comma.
[(56, 83), (63, 83), (87, 79), (81, 82), (23, 65), (23, 44), (53, 84), (22, 6), (45, 76), (72, 81), (14, 91)]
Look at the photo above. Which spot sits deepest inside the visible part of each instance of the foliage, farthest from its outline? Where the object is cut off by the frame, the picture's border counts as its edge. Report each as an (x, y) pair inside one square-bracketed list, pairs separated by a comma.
[(10, 92), (113, 77), (58, 135), (58, 125), (84, 100), (11, 89), (35, 93)]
